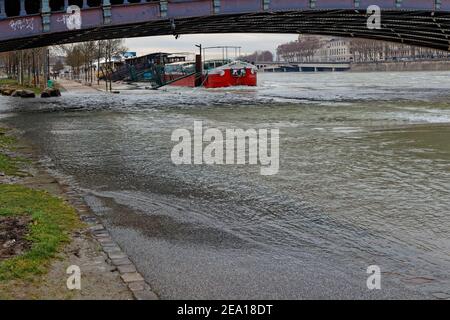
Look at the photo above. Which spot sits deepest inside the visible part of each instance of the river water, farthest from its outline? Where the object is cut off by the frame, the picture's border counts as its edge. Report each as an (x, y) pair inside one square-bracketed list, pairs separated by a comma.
[(364, 180)]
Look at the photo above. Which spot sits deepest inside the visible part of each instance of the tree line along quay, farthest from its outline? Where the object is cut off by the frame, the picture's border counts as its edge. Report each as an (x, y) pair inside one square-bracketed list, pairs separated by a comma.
[(30, 70)]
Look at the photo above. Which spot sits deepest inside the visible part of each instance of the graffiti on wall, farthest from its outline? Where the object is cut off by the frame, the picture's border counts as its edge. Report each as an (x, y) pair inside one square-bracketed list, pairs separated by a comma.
[(22, 24), (72, 18)]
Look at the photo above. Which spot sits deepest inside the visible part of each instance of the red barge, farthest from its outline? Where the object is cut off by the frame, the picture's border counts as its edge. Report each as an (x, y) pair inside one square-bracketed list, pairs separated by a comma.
[(217, 73)]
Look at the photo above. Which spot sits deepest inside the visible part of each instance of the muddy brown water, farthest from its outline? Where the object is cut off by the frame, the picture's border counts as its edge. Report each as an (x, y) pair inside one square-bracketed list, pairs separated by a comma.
[(364, 180)]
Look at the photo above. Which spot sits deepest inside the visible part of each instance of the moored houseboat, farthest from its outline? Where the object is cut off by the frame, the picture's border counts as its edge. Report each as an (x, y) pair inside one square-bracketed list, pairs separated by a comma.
[(216, 74), (162, 69), (234, 73), (212, 73)]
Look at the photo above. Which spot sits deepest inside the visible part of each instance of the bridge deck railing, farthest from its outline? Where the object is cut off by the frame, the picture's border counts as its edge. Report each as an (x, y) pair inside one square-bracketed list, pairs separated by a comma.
[(22, 8)]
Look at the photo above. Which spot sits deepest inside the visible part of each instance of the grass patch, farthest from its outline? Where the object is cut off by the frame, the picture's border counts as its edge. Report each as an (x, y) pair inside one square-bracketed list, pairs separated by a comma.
[(5, 140), (7, 82), (53, 220), (15, 84), (9, 165)]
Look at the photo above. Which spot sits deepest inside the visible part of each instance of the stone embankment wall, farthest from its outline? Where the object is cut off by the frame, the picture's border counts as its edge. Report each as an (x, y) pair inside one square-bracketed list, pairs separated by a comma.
[(393, 66)]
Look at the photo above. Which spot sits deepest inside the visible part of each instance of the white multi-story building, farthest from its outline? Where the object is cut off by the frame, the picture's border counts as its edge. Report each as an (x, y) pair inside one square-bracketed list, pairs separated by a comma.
[(310, 48), (333, 50)]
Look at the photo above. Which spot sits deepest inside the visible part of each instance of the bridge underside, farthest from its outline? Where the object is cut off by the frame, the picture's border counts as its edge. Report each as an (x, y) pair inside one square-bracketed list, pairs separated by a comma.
[(422, 28)]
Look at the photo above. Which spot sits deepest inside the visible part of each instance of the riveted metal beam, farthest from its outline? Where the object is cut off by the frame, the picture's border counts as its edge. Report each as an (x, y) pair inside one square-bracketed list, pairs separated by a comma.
[(423, 27)]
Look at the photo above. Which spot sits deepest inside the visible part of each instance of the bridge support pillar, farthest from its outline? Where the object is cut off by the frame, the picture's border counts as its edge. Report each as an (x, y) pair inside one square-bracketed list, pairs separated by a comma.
[(45, 13), (2, 9), (106, 5)]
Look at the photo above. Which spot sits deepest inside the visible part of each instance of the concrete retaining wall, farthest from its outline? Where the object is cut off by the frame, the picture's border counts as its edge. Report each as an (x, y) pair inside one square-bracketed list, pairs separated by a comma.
[(402, 66)]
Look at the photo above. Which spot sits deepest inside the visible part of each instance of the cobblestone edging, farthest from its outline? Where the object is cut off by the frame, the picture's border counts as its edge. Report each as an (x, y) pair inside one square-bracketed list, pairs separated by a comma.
[(128, 272), (135, 282)]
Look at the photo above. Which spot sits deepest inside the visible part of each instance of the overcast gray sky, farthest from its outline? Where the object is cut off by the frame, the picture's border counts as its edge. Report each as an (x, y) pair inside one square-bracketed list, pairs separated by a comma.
[(186, 43)]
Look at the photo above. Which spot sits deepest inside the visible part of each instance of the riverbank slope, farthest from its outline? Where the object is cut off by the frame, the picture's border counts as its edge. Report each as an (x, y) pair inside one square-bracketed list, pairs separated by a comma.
[(42, 234)]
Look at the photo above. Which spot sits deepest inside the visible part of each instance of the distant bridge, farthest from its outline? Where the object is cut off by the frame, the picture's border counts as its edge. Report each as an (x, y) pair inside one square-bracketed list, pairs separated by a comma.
[(35, 23), (282, 66)]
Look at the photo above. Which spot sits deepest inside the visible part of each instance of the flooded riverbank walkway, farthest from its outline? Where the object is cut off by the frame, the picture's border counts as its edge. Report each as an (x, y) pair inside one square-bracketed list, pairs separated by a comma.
[(363, 181), (76, 87)]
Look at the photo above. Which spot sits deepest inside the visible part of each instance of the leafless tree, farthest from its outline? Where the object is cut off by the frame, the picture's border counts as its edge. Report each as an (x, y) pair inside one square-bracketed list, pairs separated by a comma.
[(82, 56), (258, 56), (25, 66)]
